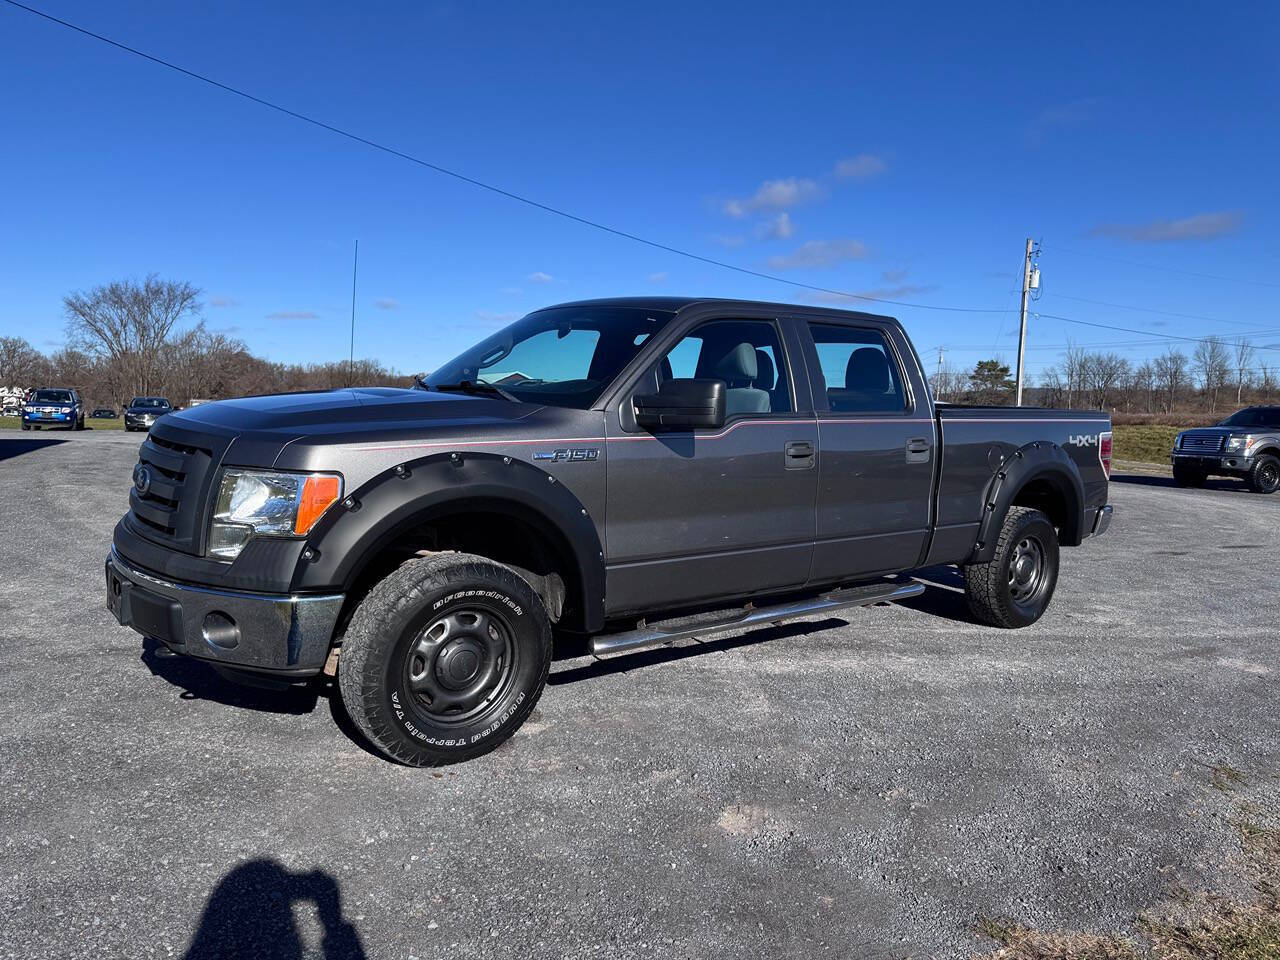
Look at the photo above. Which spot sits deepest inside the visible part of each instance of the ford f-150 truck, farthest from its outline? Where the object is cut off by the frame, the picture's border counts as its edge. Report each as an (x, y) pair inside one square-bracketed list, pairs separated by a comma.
[(1245, 445), (619, 473)]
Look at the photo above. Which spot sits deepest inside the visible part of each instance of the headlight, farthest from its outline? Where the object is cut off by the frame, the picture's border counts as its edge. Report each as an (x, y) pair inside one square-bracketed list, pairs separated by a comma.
[(268, 504), (29, 408), (1236, 444)]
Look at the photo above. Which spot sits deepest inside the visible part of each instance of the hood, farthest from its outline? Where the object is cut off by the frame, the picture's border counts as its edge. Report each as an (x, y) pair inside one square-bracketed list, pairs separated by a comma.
[(350, 415)]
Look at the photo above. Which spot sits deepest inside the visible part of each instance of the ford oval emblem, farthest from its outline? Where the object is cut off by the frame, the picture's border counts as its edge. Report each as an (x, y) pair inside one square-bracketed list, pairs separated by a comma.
[(141, 479)]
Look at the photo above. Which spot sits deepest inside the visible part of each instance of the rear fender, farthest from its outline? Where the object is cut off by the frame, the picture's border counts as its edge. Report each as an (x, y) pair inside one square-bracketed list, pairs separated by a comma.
[(1035, 461)]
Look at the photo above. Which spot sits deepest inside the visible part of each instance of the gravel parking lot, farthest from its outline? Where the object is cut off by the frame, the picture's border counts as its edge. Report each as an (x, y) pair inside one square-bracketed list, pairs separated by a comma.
[(864, 787)]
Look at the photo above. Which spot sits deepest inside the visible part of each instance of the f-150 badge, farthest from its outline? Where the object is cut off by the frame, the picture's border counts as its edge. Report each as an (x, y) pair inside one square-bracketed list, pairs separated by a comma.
[(577, 454)]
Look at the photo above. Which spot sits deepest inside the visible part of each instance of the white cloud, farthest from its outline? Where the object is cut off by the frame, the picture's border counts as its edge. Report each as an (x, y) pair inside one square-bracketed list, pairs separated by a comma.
[(223, 301), (1202, 226), (779, 228), (864, 166), (774, 195), (819, 253), (386, 303), (539, 277), (293, 315), (658, 278)]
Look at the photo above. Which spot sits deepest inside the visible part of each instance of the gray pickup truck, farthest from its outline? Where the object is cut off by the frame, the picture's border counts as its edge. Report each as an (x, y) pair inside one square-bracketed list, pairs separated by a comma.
[(615, 474), (1245, 445)]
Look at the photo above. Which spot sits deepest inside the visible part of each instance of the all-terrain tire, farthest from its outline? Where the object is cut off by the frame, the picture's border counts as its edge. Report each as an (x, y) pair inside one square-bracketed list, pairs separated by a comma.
[(1189, 477), (1015, 586), (1264, 476), (444, 659)]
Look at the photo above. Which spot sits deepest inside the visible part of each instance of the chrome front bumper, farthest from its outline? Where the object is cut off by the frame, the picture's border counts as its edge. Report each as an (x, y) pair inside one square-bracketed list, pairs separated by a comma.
[(280, 634)]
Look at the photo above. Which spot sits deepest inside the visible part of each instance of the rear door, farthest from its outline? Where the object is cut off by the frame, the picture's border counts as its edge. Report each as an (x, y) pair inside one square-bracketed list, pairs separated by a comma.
[(877, 443), (715, 513)]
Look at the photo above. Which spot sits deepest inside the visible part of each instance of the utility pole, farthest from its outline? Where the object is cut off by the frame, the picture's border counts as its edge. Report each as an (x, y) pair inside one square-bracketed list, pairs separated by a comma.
[(938, 379), (351, 357), (1022, 330)]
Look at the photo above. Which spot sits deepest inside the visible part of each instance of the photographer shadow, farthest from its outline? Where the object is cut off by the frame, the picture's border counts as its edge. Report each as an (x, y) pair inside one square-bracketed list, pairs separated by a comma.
[(201, 681), (250, 914)]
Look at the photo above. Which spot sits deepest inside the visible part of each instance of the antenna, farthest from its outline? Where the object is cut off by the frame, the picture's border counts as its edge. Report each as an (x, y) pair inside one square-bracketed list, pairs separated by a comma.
[(351, 356)]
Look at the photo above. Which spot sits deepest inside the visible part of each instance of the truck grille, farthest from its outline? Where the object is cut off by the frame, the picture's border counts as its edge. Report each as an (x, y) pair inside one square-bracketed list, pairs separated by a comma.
[(1201, 442), (170, 486)]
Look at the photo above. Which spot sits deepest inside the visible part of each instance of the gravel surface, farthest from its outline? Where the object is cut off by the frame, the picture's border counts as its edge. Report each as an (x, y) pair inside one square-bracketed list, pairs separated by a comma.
[(864, 787)]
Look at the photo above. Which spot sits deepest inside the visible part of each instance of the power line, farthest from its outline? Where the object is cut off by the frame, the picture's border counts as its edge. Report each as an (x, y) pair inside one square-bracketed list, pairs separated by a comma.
[(1152, 266), (1163, 313), (1108, 326), (500, 191)]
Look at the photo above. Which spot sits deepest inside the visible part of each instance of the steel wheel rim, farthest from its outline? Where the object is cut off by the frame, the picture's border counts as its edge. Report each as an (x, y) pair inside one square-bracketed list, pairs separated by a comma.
[(1268, 476), (460, 665), (1027, 567)]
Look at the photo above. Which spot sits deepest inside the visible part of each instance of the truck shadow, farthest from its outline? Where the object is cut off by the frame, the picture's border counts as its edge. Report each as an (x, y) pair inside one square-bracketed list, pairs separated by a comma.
[(250, 914), (199, 681), (16, 447), (1143, 480)]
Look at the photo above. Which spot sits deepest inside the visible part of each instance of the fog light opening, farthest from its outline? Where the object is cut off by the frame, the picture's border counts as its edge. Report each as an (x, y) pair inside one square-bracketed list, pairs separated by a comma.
[(220, 630)]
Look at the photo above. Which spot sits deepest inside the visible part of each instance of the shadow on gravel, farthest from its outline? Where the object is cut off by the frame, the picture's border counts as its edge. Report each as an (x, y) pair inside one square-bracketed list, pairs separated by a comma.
[(1142, 480), (944, 596), (199, 681), (10, 448), (250, 914), (648, 658)]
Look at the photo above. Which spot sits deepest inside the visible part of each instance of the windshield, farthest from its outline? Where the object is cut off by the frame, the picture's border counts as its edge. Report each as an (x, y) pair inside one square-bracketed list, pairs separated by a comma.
[(52, 396), (563, 357), (1253, 417), (158, 402)]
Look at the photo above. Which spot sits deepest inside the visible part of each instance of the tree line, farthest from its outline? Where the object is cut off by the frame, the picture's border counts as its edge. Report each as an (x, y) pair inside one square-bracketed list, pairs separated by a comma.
[(1217, 375), (147, 338)]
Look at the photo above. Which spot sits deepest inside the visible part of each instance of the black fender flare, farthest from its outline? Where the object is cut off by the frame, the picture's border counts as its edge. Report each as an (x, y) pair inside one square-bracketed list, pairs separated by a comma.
[(351, 533), (1035, 461)]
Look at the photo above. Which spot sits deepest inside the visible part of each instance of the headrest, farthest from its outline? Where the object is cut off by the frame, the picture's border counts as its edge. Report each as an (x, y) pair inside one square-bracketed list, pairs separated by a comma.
[(765, 375), (738, 363), (868, 371)]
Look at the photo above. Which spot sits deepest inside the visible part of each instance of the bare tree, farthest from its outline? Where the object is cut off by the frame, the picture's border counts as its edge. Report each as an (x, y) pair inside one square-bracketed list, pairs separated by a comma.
[(1144, 384), (1172, 376), (1214, 367), (21, 365), (1101, 373), (127, 325), (1266, 380), (948, 382), (1073, 368), (1244, 357), (1053, 392)]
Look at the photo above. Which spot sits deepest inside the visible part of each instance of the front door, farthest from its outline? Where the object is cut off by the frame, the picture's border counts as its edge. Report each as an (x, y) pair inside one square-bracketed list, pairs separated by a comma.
[(715, 513)]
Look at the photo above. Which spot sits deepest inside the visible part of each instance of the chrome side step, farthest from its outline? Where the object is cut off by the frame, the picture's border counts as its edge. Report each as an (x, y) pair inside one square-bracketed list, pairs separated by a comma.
[(610, 644)]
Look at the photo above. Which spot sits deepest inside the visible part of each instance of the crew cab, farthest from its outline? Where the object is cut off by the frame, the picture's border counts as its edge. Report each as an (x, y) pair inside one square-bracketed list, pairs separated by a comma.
[(619, 473), (1245, 445)]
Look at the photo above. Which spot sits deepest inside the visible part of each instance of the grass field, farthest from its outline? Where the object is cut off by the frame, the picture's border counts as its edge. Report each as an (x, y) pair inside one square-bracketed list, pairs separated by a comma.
[(1148, 443), (14, 423)]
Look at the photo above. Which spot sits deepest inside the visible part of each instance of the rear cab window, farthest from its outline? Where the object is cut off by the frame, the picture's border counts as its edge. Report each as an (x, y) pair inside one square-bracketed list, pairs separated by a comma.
[(860, 370)]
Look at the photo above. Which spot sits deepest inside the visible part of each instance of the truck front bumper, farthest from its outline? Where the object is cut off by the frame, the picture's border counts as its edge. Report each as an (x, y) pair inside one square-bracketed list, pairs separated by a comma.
[(1222, 464), (284, 635)]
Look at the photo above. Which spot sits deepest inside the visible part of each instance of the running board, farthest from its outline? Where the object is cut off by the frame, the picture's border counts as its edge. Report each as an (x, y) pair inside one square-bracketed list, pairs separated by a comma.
[(609, 644)]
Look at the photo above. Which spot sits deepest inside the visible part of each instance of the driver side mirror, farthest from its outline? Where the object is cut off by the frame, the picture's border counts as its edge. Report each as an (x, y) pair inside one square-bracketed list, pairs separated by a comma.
[(682, 405)]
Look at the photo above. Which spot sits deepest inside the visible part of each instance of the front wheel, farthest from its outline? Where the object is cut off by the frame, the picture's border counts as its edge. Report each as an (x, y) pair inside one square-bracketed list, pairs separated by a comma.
[(1014, 588), (1265, 475), (444, 659)]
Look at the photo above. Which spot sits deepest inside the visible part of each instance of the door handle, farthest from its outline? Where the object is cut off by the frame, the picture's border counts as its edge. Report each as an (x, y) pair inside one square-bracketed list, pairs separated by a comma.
[(798, 455), (918, 450)]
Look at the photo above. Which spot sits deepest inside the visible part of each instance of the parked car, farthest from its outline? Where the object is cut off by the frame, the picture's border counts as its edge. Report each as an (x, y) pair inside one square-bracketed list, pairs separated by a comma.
[(11, 408), (1245, 445), (649, 470), (103, 413), (142, 412), (53, 407)]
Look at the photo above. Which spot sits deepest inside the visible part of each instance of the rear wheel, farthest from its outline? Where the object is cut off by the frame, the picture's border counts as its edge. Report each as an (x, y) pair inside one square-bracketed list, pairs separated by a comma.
[(1015, 586), (1189, 477), (444, 659), (1265, 475)]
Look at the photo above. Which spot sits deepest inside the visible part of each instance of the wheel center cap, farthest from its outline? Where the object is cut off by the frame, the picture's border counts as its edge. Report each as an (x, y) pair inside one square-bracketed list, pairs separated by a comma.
[(458, 663), (1023, 569)]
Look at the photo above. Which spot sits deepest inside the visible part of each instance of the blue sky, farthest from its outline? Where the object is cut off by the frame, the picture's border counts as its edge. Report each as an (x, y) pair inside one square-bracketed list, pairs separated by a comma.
[(900, 150)]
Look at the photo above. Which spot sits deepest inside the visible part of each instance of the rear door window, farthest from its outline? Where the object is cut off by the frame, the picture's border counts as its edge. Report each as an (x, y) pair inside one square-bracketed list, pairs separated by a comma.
[(860, 370)]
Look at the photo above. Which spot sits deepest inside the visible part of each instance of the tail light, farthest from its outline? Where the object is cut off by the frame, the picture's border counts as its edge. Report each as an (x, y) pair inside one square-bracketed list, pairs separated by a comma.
[(1104, 452)]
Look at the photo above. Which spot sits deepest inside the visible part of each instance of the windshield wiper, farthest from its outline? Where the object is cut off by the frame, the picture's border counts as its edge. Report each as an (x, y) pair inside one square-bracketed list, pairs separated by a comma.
[(420, 381), (475, 386)]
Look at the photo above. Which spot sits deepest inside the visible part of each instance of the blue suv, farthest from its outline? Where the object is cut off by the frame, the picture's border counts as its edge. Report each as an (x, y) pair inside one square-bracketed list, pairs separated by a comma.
[(53, 407)]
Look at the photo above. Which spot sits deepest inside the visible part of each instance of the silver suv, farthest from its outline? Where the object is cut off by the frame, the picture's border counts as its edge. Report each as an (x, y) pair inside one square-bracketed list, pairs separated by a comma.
[(1246, 445)]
